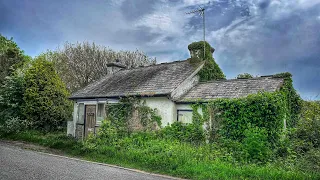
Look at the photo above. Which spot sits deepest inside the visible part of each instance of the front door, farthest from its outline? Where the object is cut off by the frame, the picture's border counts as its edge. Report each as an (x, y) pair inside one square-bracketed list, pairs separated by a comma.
[(90, 120)]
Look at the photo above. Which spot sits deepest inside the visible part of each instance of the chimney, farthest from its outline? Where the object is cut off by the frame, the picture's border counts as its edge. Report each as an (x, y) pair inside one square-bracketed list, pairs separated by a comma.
[(114, 67), (196, 49)]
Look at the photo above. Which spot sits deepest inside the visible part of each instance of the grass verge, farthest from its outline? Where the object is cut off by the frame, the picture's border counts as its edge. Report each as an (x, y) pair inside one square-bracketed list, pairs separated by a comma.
[(161, 156)]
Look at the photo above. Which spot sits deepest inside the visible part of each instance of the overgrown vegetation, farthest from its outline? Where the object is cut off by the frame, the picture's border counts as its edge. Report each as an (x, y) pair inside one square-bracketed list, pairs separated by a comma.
[(46, 105), (32, 95), (244, 138), (11, 57), (132, 114), (210, 70), (244, 76)]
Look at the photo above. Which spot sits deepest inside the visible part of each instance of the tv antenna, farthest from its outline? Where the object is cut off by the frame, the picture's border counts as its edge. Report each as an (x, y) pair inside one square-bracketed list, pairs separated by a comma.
[(201, 10)]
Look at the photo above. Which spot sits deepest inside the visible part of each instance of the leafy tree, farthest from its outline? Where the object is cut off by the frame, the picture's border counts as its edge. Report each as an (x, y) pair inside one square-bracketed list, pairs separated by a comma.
[(82, 63), (46, 104), (11, 57), (244, 76), (211, 70), (11, 96)]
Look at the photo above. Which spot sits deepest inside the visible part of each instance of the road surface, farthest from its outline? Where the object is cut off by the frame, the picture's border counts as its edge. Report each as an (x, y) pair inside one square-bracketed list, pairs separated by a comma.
[(18, 163)]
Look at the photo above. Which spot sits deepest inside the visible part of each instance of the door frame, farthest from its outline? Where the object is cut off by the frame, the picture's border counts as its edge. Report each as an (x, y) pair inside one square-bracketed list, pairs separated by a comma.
[(85, 119)]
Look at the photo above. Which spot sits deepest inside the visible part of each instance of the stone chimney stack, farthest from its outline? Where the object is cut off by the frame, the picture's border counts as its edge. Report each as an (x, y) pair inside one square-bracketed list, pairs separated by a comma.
[(114, 67), (196, 49)]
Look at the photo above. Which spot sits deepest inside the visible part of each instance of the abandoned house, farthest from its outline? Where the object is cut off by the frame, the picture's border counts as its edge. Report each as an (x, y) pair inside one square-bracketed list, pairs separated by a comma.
[(169, 87)]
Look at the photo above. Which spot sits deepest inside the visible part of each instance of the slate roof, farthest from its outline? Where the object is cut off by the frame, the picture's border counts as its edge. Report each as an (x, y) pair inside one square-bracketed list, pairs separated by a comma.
[(233, 88), (160, 79)]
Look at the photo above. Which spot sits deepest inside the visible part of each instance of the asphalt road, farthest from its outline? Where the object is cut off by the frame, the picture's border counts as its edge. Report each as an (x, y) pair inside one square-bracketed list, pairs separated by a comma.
[(17, 163)]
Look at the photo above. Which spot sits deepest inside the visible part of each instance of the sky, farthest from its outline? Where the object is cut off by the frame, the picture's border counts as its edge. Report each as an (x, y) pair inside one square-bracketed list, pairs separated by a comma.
[(260, 37)]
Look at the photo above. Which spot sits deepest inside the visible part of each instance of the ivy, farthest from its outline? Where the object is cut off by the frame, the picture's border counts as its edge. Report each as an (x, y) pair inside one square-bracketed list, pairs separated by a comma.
[(293, 100), (229, 118), (211, 70), (120, 114)]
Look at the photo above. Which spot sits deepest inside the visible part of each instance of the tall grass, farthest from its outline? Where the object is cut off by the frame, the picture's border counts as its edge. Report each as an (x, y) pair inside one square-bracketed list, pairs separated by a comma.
[(146, 152)]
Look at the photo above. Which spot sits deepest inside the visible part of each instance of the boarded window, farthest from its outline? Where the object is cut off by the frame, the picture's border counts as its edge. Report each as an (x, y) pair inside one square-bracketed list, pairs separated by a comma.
[(184, 116)]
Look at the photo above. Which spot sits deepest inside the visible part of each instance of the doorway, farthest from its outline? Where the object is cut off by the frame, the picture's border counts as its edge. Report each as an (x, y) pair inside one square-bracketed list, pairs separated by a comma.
[(90, 120)]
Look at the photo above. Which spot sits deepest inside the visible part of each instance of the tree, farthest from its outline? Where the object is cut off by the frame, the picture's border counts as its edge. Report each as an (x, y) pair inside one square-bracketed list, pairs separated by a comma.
[(82, 63), (46, 98), (11, 96), (244, 76), (11, 57)]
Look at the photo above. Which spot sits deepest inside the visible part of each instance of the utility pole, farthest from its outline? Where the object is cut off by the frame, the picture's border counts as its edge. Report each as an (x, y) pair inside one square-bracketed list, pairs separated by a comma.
[(201, 13)]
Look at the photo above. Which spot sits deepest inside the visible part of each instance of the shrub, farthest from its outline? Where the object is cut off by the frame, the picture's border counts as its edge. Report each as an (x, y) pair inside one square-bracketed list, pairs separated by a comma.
[(107, 131), (308, 126), (13, 125), (255, 144), (46, 99), (310, 161), (11, 96), (191, 133)]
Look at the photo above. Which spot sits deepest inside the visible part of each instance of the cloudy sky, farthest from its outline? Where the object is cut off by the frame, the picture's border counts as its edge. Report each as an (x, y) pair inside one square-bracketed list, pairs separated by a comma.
[(260, 37)]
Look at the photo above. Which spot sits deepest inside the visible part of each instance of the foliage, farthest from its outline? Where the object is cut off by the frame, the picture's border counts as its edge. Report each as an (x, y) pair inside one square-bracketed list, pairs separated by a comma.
[(11, 57), (144, 151), (264, 110), (210, 70), (255, 144), (293, 100), (13, 125), (310, 161), (306, 135), (107, 131), (46, 104), (244, 76), (83, 63), (121, 115), (11, 96), (190, 133)]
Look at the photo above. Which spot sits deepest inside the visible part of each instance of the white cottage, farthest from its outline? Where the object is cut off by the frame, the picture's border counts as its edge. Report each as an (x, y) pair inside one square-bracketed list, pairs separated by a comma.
[(169, 87)]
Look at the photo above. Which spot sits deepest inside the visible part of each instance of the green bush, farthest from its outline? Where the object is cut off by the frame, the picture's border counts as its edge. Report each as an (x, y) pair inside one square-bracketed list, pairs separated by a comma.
[(107, 131), (264, 110), (310, 161), (255, 144), (46, 99), (13, 125), (11, 96), (191, 133), (11, 57), (308, 126)]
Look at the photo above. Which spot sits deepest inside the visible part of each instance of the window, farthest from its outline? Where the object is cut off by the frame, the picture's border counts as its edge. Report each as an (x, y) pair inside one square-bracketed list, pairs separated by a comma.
[(184, 116), (100, 113), (80, 113)]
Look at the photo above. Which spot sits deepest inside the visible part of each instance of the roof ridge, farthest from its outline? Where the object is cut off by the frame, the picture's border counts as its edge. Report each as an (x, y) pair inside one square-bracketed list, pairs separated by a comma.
[(152, 65), (241, 79)]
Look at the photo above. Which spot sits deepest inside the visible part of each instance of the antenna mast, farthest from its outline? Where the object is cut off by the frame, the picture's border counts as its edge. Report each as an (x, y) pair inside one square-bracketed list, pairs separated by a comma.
[(201, 13)]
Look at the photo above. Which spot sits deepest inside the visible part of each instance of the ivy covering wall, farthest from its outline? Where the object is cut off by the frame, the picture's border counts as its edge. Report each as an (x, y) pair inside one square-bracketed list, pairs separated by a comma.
[(130, 109), (211, 70), (229, 118)]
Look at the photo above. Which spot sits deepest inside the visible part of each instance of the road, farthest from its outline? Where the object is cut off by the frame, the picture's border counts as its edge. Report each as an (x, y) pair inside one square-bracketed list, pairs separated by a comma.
[(18, 163)]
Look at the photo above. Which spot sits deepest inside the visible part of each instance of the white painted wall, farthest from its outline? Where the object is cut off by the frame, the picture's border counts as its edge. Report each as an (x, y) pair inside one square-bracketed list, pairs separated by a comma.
[(166, 108), (72, 124)]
